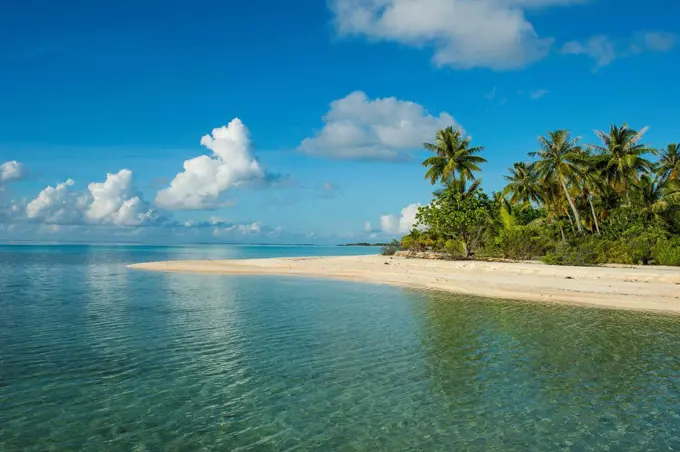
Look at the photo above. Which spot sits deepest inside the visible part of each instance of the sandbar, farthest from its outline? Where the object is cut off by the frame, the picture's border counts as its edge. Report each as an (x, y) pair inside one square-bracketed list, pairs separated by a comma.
[(630, 287)]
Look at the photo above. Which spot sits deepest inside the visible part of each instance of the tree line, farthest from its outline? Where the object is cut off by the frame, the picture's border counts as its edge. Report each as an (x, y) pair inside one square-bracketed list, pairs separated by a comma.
[(616, 201)]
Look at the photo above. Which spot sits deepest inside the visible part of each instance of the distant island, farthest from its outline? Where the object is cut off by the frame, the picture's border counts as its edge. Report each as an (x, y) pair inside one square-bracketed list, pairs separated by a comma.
[(364, 244)]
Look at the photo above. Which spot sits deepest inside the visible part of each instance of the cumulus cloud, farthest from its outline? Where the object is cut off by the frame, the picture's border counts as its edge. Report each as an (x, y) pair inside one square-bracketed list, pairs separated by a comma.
[(402, 223), (396, 224), (11, 171), (357, 127), (604, 49), (58, 205), (465, 34), (112, 202), (205, 178)]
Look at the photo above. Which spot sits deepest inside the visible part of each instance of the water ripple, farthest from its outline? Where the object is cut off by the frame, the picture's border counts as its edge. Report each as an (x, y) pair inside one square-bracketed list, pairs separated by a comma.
[(95, 357)]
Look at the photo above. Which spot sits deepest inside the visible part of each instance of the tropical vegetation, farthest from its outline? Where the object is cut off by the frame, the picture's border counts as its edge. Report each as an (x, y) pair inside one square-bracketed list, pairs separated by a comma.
[(614, 201)]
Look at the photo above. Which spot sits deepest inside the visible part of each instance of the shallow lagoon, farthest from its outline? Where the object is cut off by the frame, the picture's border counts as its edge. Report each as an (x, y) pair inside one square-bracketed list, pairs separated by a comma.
[(98, 357)]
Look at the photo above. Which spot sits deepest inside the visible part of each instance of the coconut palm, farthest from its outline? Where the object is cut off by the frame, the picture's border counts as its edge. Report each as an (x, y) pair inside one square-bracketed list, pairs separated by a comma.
[(558, 161), (523, 184), (459, 186), (620, 158), (454, 156), (658, 197), (669, 162), (590, 183), (413, 241)]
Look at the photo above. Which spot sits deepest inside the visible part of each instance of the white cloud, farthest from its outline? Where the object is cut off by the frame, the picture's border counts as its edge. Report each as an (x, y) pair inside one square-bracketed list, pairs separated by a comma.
[(395, 224), (401, 224), (58, 205), (205, 178), (537, 94), (658, 41), (604, 49), (253, 228), (11, 211), (357, 127), (112, 202), (599, 48), (11, 171), (465, 34)]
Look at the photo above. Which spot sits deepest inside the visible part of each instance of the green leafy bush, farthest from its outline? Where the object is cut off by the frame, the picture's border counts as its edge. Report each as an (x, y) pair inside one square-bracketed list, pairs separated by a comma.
[(667, 252), (391, 248), (454, 249), (583, 251), (456, 214), (519, 242)]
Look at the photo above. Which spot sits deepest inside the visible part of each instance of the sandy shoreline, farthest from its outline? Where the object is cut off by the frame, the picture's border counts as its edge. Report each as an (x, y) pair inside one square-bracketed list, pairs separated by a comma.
[(644, 288)]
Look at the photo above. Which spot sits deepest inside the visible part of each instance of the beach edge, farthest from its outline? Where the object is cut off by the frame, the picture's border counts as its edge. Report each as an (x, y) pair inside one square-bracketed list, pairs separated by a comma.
[(652, 289)]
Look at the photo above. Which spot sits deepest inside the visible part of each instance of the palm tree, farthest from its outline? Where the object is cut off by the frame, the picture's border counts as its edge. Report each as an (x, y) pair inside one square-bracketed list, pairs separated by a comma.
[(413, 241), (453, 155), (523, 184), (590, 182), (558, 161), (658, 197), (459, 186), (669, 163), (620, 158)]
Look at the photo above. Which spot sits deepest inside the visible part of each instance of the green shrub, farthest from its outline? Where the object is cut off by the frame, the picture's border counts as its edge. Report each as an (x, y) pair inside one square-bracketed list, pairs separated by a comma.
[(583, 251), (667, 252), (519, 242), (391, 248), (636, 244), (454, 249)]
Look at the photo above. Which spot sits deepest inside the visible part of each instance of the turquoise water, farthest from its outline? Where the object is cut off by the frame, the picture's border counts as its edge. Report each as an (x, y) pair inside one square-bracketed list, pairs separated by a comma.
[(94, 356)]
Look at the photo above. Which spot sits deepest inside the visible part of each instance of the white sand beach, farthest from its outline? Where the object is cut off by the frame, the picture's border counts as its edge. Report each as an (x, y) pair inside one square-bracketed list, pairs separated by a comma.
[(644, 288)]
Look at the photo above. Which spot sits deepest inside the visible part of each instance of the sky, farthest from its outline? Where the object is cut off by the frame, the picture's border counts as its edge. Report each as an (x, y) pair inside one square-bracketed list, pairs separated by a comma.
[(299, 122)]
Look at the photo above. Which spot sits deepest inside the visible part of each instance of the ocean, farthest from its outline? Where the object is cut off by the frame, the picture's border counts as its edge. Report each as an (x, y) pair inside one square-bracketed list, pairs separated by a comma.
[(98, 357)]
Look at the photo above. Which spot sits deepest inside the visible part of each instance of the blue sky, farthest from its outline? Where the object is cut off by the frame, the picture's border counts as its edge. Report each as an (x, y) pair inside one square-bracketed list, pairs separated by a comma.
[(332, 100)]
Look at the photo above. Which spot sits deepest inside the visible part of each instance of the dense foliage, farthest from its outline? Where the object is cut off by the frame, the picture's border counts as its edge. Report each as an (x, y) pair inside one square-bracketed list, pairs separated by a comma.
[(613, 202)]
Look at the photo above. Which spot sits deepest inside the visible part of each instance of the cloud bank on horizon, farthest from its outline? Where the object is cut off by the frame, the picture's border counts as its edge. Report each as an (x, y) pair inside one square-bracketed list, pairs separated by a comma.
[(115, 202), (112, 202)]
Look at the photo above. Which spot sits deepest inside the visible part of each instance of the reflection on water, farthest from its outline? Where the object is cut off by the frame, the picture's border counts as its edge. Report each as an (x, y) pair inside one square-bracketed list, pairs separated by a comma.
[(600, 378), (97, 357)]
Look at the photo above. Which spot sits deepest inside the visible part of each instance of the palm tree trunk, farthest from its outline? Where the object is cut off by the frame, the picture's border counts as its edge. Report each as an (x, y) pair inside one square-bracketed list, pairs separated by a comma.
[(564, 239), (577, 218), (571, 222), (592, 209)]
